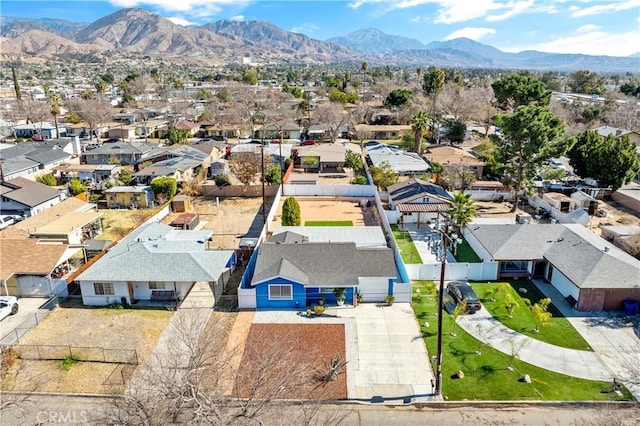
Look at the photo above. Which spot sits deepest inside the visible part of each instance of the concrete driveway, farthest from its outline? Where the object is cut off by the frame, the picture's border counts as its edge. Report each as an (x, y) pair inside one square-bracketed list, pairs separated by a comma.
[(24, 319), (387, 356)]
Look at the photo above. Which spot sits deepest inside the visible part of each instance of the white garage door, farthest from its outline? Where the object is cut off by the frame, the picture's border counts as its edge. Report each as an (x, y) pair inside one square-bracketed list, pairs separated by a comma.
[(32, 286)]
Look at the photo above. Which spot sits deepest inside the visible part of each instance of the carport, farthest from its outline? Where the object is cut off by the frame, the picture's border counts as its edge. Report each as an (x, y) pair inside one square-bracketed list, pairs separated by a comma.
[(31, 275)]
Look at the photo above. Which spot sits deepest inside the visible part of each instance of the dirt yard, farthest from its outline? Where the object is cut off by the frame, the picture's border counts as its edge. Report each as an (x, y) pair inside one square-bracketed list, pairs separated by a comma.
[(324, 209), (117, 223), (235, 219), (614, 216), (80, 328), (289, 360)]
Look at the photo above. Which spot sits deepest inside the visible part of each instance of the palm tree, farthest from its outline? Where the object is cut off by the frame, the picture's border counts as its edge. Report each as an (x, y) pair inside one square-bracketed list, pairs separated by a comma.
[(436, 172), (419, 125), (101, 86), (55, 103), (365, 67), (462, 211)]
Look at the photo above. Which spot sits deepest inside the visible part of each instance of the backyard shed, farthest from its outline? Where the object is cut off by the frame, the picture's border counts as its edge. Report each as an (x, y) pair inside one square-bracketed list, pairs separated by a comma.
[(187, 221), (181, 203)]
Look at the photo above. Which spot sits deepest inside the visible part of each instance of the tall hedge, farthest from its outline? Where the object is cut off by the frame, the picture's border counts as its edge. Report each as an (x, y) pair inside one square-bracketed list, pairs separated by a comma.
[(167, 186), (291, 212)]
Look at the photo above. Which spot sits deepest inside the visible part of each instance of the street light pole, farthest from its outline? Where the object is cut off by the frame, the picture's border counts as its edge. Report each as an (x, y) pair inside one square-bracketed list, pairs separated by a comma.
[(438, 390)]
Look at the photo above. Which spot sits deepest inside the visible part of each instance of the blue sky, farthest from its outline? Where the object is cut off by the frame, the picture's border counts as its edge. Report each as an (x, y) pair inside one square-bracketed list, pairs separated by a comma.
[(597, 27)]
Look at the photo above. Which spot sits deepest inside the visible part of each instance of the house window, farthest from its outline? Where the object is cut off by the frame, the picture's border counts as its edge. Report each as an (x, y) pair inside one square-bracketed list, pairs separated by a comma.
[(155, 285), (514, 266), (284, 292), (103, 288)]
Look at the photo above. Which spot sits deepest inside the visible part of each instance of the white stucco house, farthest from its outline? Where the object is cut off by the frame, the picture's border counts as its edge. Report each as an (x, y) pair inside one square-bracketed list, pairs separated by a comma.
[(156, 262)]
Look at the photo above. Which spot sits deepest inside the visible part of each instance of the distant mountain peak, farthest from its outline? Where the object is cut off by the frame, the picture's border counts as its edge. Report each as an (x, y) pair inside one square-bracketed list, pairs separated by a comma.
[(372, 40)]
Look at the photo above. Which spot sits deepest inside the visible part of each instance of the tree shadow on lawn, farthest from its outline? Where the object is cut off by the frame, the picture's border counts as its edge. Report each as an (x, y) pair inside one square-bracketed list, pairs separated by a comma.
[(533, 294)]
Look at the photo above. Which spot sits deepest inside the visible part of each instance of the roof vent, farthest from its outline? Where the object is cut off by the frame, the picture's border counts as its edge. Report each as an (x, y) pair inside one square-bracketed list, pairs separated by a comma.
[(606, 249)]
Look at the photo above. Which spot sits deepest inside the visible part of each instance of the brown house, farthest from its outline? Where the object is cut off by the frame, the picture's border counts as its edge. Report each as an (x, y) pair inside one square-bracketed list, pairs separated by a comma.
[(450, 156)]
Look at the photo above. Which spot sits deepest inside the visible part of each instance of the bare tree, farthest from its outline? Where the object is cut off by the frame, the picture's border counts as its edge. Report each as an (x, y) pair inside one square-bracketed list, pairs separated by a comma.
[(624, 116), (482, 106), (333, 116), (94, 112), (246, 166), (11, 113), (198, 379), (459, 177), (35, 111)]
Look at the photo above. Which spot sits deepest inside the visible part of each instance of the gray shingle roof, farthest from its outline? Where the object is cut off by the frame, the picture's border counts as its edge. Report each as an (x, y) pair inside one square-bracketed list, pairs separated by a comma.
[(158, 252), (414, 188), (29, 193), (323, 264), (572, 249)]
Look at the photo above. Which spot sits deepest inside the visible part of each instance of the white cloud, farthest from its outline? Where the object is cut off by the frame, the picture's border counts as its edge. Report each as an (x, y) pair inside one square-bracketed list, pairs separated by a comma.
[(589, 43), (474, 33), (180, 21), (615, 6), (587, 28), (452, 11), (191, 7), (305, 28), (515, 9), (237, 18)]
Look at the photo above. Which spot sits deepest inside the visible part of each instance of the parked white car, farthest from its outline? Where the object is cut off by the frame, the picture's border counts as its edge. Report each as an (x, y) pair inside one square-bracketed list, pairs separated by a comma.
[(6, 220), (8, 306)]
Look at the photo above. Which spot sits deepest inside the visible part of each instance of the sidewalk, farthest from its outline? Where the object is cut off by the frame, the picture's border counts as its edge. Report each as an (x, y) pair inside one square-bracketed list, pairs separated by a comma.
[(582, 364)]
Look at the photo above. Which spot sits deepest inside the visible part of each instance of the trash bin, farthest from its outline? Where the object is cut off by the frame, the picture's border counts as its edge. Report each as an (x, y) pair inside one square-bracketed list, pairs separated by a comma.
[(631, 306)]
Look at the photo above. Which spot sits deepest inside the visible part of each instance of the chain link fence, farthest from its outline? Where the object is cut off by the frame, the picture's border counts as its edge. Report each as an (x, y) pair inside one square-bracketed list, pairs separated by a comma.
[(78, 353), (21, 330)]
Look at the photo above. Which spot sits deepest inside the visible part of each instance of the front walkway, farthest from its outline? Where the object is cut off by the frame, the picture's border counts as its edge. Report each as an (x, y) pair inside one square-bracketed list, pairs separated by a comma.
[(385, 349), (582, 364), (610, 334), (200, 296), (428, 242)]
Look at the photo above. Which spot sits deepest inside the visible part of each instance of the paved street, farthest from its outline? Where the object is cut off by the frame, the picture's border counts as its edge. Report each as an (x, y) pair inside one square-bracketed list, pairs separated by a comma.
[(62, 409)]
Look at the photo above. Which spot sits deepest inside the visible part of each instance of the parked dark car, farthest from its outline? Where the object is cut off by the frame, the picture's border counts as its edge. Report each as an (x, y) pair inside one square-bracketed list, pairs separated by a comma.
[(460, 291)]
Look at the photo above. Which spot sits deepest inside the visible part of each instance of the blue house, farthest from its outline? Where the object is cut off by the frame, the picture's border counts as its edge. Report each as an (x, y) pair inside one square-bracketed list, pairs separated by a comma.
[(292, 272)]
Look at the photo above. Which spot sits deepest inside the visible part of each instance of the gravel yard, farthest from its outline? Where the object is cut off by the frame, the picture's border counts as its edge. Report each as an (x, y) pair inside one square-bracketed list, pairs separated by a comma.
[(286, 360)]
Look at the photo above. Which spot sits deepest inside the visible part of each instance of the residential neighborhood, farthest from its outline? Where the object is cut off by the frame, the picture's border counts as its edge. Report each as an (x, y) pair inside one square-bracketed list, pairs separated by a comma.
[(216, 246)]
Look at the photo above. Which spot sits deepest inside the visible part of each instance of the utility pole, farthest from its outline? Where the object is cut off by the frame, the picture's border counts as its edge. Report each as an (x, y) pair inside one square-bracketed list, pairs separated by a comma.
[(445, 237)]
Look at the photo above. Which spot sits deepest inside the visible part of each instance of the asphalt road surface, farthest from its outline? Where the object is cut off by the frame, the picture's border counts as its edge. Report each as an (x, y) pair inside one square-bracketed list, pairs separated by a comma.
[(61, 409)]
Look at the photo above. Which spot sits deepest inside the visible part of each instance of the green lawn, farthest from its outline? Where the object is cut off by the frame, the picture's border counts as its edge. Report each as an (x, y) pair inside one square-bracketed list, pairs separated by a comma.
[(464, 253), (328, 223), (557, 331), (486, 376), (405, 244)]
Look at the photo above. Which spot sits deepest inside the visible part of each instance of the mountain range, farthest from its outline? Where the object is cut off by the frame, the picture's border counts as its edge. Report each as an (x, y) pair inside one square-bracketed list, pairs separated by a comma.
[(138, 31)]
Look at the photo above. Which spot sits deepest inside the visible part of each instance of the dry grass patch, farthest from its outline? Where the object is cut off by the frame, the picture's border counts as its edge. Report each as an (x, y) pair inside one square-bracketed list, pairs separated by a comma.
[(126, 330), (118, 223)]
